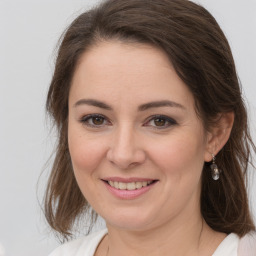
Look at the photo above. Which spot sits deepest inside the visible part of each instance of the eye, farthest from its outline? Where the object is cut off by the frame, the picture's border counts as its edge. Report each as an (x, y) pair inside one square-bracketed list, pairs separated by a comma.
[(160, 122), (94, 120)]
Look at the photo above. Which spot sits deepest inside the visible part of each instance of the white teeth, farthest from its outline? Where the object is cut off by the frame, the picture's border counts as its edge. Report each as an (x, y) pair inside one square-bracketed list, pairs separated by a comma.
[(138, 185), (122, 185), (129, 185)]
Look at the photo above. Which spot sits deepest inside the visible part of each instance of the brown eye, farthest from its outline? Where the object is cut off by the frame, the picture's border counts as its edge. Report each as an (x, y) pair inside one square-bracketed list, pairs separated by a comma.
[(94, 121), (97, 120), (159, 122)]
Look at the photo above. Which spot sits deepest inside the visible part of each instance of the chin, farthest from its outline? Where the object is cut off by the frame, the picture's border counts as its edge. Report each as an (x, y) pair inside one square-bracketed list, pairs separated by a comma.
[(130, 221)]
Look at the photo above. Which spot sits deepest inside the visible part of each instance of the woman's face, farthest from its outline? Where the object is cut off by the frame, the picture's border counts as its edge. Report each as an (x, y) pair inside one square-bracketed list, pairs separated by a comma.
[(136, 143)]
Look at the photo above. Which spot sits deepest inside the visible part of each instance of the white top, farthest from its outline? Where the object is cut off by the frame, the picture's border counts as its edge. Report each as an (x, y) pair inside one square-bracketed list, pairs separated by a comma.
[(86, 246)]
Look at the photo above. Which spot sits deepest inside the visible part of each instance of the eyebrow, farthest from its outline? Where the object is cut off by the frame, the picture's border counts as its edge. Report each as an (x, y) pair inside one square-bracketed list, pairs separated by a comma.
[(94, 103), (157, 104), (143, 107)]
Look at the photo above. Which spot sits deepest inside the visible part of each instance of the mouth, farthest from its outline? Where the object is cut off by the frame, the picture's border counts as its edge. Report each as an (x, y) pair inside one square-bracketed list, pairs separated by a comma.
[(129, 189), (129, 185)]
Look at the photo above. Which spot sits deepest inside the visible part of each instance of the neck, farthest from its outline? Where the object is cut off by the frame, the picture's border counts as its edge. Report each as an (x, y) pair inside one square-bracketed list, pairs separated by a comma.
[(178, 238), (183, 234)]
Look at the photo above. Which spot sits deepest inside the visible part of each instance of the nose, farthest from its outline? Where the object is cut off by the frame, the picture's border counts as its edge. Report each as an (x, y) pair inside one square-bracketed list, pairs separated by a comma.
[(125, 150)]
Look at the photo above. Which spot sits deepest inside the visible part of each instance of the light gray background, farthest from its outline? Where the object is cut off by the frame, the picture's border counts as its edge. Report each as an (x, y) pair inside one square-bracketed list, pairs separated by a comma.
[(29, 31)]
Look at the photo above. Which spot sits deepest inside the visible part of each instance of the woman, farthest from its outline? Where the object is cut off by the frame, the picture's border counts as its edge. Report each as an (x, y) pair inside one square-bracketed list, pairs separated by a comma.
[(153, 134)]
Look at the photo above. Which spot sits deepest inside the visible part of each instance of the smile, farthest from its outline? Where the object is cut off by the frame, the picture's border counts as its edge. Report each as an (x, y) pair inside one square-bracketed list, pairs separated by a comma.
[(129, 185), (130, 188)]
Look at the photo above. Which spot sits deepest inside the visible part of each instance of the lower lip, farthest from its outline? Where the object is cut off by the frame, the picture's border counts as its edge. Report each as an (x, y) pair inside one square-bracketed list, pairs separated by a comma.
[(129, 194)]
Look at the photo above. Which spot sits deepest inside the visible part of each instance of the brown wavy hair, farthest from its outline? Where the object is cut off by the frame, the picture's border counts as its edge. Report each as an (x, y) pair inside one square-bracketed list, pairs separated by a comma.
[(201, 56)]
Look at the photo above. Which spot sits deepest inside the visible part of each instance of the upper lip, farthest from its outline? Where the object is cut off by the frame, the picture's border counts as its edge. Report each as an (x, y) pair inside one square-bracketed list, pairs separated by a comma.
[(127, 180)]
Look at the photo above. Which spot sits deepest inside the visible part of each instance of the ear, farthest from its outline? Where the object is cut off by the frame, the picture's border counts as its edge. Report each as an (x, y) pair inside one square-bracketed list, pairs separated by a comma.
[(218, 135)]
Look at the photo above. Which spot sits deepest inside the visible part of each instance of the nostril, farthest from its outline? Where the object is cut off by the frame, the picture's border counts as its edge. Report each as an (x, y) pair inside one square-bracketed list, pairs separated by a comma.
[(126, 159)]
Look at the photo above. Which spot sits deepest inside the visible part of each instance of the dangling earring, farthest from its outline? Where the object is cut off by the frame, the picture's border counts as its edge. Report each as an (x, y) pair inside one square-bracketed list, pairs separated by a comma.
[(215, 171)]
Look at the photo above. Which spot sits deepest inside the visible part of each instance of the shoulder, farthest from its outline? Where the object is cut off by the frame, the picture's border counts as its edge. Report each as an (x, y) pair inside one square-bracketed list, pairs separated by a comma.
[(247, 245), (228, 247), (232, 245), (84, 246)]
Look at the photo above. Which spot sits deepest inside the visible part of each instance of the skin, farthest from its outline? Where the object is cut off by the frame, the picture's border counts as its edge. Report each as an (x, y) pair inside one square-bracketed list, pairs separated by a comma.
[(127, 142)]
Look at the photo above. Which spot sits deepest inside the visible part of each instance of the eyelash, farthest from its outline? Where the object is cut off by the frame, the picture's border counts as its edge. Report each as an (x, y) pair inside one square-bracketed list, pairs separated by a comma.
[(166, 119), (86, 121)]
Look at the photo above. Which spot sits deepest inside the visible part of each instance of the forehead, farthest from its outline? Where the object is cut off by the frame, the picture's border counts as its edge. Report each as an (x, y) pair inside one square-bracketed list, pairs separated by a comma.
[(128, 70), (116, 53)]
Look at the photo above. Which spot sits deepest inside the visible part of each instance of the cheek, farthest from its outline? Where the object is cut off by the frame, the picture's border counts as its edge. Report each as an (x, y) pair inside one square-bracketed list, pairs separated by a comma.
[(180, 162), (181, 155), (85, 152)]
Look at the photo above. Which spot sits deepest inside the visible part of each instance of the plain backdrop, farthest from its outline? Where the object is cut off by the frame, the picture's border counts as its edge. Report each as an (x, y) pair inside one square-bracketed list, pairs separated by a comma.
[(29, 31)]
